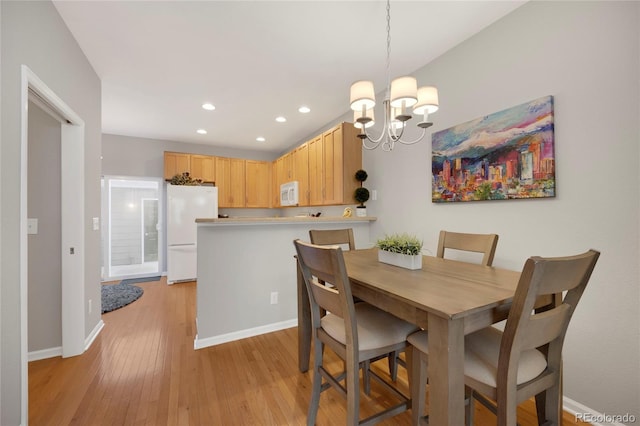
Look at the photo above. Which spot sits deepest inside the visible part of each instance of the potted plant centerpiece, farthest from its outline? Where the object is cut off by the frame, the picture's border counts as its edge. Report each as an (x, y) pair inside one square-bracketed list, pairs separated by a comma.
[(402, 250), (361, 194)]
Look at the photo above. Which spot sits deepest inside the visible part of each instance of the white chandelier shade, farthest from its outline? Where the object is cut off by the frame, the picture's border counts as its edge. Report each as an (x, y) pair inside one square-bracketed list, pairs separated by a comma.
[(363, 96), (427, 101), (402, 93)]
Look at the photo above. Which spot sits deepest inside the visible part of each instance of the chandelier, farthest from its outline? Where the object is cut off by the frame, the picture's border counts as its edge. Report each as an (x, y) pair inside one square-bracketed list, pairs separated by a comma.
[(402, 94)]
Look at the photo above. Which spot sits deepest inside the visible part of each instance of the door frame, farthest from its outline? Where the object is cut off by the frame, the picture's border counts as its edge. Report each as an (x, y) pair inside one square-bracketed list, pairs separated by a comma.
[(106, 226), (72, 224)]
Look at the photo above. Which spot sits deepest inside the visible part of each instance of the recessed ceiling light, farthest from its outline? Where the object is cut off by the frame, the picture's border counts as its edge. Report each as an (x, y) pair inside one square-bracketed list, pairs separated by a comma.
[(304, 109), (201, 131), (281, 119), (260, 139), (208, 106)]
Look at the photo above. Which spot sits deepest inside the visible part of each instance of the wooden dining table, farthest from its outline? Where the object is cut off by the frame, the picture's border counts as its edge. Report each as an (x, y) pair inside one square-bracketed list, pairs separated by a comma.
[(446, 297)]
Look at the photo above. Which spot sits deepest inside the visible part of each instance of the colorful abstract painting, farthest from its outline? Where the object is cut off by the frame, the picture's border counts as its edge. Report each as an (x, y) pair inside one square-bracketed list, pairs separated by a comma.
[(504, 155)]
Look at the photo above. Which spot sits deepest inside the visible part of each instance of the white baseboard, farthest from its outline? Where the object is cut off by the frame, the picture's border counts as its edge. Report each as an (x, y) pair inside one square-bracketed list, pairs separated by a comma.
[(44, 354), (242, 334), (92, 336), (57, 351), (592, 416)]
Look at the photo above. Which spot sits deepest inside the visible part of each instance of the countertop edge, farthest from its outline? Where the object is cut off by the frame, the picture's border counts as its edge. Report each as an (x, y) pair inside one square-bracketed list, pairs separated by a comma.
[(281, 220)]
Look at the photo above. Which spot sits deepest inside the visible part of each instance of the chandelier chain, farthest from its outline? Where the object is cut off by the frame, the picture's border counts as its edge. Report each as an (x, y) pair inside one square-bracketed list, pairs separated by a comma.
[(395, 118), (388, 48)]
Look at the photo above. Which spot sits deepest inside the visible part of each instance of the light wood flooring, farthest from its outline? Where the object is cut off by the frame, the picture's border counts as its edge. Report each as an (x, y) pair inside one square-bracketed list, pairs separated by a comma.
[(142, 370)]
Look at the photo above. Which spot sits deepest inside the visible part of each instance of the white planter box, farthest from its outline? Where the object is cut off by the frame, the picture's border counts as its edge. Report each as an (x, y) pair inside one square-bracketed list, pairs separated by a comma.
[(401, 260)]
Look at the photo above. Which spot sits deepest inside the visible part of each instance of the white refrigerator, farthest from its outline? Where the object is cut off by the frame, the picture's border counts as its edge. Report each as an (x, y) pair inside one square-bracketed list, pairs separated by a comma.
[(184, 205)]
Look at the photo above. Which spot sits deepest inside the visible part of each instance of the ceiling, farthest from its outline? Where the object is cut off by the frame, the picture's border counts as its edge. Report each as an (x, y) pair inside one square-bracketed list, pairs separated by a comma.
[(159, 61)]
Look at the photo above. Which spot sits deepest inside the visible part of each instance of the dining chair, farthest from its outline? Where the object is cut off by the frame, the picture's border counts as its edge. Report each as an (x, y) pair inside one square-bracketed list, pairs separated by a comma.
[(345, 236), (479, 243), (525, 359), (356, 332), (328, 237)]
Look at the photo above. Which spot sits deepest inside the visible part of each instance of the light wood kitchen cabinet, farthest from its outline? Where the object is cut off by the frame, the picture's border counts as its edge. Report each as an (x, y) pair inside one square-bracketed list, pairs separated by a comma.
[(301, 173), (324, 167), (203, 167), (230, 180), (283, 173), (315, 171), (334, 159), (258, 183), (176, 163)]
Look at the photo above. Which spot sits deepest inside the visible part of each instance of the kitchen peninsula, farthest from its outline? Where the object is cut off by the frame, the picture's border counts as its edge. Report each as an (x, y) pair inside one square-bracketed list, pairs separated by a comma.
[(247, 274)]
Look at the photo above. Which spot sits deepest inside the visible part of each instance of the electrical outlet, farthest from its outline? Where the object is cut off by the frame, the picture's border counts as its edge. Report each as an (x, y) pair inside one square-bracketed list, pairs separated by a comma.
[(374, 195), (274, 297), (90, 305)]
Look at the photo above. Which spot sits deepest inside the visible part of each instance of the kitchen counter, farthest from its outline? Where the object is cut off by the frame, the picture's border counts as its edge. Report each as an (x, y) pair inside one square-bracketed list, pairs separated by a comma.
[(282, 220), (247, 281)]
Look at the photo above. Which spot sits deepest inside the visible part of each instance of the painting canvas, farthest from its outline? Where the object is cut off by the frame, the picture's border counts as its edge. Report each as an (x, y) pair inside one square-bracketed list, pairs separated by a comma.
[(504, 155)]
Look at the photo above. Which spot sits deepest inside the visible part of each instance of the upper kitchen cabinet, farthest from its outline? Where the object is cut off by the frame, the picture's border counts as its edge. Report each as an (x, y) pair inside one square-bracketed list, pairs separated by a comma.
[(203, 167), (258, 183), (334, 159), (301, 173), (316, 174), (176, 163), (230, 180), (283, 173)]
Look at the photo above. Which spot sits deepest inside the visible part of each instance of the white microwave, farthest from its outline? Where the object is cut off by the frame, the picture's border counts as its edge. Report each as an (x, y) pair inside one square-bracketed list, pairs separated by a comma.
[(289, 194)]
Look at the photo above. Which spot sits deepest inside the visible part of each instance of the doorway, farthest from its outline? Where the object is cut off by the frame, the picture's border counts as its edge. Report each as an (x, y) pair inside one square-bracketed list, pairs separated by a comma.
[(131, 227), (72, 221)]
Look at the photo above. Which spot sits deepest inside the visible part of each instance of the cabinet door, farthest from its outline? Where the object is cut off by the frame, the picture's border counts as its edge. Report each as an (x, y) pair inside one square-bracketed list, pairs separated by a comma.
[(237, 182), (223, 182), (258, 182), (332, 166), (315, 172), (203, 167), (176, 163), (301, 173)]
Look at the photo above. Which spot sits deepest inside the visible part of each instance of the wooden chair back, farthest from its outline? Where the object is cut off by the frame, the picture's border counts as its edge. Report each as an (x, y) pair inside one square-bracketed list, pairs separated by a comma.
[(320, 264), (478, 243), (543, 328), (327, 237)]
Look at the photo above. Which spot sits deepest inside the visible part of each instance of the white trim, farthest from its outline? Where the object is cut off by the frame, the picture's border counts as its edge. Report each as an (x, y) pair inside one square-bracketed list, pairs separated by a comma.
[(73, 238), (243, 334), (57, 351), (93, 335), (574, 407), (45, 354), (72, 135)]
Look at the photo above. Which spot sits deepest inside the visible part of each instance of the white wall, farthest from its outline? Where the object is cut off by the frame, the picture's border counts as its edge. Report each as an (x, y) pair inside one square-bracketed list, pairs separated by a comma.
[(33, 34), (134, 156), (585, 54)]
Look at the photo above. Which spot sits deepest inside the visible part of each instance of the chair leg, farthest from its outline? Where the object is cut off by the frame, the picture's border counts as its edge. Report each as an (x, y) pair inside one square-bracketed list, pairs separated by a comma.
[(317, 384), (418, 383), (541, 400), (353, 391), (469, 406), (393, 365), (507, 409), (366, 377), (553, 406)]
